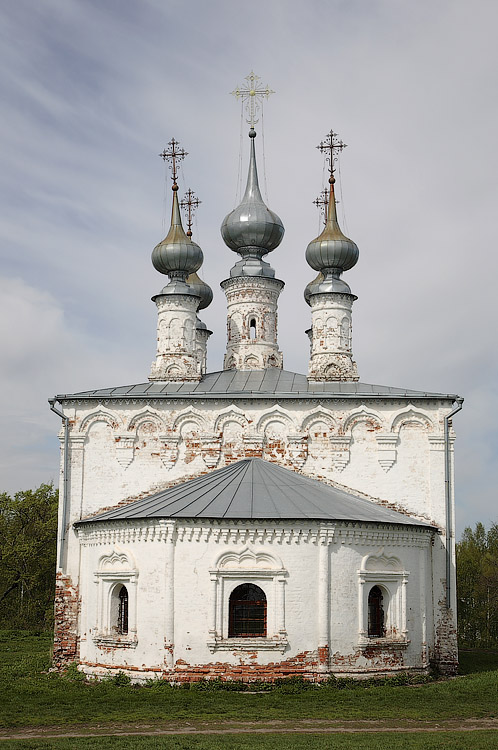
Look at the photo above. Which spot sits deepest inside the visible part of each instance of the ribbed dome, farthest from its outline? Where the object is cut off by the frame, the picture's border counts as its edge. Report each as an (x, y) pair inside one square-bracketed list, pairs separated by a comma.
[(177, 255), (326, 285), (200, 289), (332, 249), (252, 228), (313, 282)]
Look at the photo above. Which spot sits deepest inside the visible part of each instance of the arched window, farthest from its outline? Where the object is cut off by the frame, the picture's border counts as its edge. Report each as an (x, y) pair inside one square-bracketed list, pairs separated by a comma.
[(123, 610), (252, 328), (247, 612), (375, 613)]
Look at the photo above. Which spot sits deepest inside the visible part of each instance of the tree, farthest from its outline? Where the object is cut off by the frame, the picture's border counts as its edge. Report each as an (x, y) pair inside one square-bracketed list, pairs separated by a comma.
[(477, 586), (28, 530)]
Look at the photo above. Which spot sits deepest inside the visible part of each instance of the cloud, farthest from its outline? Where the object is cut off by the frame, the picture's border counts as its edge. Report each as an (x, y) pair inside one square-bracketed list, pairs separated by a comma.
[(92, 92)]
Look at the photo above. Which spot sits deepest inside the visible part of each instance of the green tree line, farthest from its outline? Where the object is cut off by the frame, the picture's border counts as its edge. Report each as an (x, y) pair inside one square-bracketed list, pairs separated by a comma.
[(28, 529), (477, 587)]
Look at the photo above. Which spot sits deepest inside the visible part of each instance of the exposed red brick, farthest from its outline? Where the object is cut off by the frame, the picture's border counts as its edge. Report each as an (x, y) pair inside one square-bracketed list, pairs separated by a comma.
[(66, 611)]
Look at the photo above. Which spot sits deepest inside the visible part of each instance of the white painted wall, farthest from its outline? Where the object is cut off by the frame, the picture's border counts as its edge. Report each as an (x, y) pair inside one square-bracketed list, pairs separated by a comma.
[(385, 449), (277, 557)]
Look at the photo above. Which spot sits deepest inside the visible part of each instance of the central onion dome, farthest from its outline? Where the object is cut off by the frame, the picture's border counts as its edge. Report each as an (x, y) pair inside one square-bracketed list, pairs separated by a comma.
[(177, 255), (252, 229)]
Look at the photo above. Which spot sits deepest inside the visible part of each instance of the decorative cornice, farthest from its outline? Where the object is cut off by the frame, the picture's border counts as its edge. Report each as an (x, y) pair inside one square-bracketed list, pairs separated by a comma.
[(244, 531)]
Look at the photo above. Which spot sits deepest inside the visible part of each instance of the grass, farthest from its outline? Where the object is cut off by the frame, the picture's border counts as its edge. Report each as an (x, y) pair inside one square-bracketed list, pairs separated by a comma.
[(479, 740), (31, 697)]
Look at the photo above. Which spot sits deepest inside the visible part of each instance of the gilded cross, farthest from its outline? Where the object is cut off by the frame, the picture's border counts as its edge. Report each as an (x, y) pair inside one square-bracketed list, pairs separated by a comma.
[(190, 203), (333, 146), (173, 157), (252, 96)]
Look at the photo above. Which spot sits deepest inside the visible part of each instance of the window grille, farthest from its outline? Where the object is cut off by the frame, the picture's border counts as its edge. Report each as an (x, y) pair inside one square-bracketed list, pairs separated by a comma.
[(247, 612), (123, 610), (375, 613)]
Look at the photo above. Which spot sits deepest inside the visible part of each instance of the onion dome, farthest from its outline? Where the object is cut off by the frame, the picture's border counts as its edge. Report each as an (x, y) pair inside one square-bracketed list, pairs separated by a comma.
[(252, 229), (177, 256), (332, 251), (200, 289), (326, 285), (307, 292)]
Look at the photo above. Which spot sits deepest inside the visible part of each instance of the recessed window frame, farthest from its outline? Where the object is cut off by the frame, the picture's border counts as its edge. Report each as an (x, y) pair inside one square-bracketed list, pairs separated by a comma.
[(115, 571), (393, 585), (225, 579)]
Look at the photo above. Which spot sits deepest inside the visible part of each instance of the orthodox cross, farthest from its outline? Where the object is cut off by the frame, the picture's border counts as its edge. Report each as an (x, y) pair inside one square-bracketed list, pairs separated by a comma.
[(322, 202), (333, 146), (190, 203), (173, 157), (252, 96)]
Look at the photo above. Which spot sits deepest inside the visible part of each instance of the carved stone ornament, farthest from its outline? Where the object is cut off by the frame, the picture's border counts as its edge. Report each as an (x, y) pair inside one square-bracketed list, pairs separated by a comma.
[(253, 445), (340, 451), (210, 449), (169, 449), (298, 450), (77, 441), (125, 445), (387, 453)]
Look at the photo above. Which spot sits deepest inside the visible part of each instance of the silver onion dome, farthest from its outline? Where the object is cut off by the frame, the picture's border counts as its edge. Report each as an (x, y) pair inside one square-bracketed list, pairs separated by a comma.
[(307, 290), (326, 285), (332, 250), (252, 229), (200, 289), (177, 256)]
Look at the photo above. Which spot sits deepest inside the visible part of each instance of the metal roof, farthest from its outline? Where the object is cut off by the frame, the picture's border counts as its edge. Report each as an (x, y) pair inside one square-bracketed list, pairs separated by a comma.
[(256, 489), (252, 384)]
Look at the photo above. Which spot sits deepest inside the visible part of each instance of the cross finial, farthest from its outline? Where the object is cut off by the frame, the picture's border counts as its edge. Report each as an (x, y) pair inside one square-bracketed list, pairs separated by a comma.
[(322, 202), (173, 157), (190, 203), (332, 145), (252, 96)]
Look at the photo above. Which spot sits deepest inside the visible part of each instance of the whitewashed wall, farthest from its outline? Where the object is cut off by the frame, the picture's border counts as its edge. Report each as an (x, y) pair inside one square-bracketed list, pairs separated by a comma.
[(387, 450), (184, 574)]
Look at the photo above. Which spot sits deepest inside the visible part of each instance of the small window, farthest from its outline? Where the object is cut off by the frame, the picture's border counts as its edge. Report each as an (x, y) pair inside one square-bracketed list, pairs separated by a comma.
[(252, 328), (247, 612), (123, 610), (375, 613)]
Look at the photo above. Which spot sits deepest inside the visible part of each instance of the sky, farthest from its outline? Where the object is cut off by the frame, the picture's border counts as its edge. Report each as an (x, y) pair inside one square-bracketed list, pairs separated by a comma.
[(93, 90)]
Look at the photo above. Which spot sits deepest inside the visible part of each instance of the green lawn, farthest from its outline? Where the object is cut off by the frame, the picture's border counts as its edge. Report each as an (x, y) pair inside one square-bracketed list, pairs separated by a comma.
[(485, 740), (31, 697)]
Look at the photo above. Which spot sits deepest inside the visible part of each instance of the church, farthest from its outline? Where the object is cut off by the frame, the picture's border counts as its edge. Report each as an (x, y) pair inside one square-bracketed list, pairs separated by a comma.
[(253, 523)]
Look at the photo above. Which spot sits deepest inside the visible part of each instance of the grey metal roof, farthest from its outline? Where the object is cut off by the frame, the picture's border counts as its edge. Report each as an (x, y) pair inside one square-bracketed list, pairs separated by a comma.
[(256, 489), (253, 384)]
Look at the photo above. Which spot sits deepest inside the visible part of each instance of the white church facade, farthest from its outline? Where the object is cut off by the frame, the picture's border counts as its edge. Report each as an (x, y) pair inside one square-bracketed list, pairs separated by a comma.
[(254, 523)]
